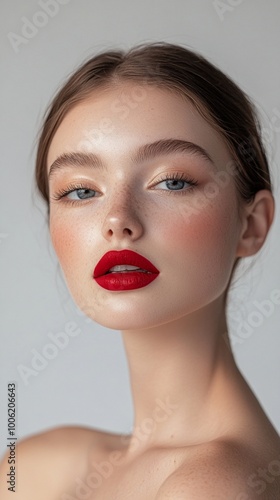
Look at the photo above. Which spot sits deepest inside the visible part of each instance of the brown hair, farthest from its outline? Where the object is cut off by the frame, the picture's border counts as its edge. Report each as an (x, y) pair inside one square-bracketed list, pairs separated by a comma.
[(218, 99)]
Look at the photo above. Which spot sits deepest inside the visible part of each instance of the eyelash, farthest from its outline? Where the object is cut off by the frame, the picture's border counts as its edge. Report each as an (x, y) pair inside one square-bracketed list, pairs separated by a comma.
[(62, 193), (178, 177)]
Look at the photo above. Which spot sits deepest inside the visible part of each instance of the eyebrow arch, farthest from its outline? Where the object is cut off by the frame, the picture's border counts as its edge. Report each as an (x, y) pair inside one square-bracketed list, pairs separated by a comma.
[(145, 152), (75, 159), (170, 146)]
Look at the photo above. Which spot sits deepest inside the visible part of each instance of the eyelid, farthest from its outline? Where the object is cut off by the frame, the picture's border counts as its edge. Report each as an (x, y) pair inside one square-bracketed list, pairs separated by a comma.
[(178, 176), (70, 188)]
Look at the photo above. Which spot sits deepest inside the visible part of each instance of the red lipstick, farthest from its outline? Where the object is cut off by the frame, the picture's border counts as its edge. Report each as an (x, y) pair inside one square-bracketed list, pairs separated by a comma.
[(137, 271)]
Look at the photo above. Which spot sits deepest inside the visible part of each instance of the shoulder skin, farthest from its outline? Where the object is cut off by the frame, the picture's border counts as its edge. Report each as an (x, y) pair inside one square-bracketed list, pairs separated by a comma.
[(223, 471), (45, 463)]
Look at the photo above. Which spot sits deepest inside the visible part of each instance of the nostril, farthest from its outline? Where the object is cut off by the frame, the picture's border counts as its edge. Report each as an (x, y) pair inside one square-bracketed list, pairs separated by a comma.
[(121, 226)]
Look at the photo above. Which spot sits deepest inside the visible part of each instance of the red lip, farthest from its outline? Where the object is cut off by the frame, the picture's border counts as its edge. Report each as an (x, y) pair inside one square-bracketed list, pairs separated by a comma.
[(124, 280)]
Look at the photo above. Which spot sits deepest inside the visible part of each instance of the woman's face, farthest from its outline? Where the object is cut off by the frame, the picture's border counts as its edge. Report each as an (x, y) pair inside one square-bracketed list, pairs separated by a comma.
[(124, 200)]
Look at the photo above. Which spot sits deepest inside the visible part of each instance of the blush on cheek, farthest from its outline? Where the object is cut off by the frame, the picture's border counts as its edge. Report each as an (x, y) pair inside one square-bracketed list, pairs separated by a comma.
[(73, 242), (208, 236), (195, 227), (62, 237)]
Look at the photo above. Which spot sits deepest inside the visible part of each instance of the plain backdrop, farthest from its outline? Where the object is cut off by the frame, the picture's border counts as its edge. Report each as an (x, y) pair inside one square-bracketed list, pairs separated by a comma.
[(86, 382)]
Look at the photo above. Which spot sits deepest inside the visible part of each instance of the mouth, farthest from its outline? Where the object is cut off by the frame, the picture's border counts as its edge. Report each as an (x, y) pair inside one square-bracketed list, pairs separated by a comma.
[(123, 262), (124, 270)]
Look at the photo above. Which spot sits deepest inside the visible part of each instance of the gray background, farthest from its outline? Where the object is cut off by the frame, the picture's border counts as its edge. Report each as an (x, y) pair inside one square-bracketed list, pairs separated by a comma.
[(86, 383)]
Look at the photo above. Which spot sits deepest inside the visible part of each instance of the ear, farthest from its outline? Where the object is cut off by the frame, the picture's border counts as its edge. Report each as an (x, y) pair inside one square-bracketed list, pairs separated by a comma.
[(257, 218)]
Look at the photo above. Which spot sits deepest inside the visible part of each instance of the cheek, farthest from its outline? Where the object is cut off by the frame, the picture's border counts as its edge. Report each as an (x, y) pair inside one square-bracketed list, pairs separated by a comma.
[(206, 241), (68, 239)]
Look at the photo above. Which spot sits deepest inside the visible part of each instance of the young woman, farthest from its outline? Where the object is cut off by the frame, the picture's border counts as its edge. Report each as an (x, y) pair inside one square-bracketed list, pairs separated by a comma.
[(157, 184)]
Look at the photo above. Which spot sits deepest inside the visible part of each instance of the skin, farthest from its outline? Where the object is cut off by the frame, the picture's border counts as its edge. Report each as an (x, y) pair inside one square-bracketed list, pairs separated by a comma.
[(199, 431)]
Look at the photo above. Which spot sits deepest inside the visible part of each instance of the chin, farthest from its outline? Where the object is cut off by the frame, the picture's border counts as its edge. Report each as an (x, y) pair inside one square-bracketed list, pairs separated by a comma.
[(124, 321)]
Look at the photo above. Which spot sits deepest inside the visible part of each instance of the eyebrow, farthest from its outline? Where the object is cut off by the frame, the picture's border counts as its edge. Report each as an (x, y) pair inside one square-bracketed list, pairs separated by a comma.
[(145, 152)]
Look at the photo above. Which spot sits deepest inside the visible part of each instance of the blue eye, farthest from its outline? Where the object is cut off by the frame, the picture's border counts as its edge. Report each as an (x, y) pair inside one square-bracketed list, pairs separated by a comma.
[(177, 182), (81, 193), (174, 184), (75, 193)]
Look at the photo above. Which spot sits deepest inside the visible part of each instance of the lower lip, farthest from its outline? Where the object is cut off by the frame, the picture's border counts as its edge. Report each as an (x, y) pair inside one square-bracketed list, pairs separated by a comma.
[(125, 281)]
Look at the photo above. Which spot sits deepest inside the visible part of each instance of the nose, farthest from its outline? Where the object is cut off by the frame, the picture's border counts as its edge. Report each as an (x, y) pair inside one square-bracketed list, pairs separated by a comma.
[(122, 220)]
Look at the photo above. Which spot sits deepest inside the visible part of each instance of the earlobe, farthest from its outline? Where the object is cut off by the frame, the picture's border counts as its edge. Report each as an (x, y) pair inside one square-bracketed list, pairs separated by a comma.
[(257, 220)]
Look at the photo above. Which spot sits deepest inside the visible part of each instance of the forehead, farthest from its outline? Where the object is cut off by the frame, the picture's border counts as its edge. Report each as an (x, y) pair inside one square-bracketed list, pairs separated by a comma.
[(120, 119)]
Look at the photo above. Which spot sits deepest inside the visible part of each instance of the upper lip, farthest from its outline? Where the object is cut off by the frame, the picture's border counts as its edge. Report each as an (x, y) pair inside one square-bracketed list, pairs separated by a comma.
[(122, 257)]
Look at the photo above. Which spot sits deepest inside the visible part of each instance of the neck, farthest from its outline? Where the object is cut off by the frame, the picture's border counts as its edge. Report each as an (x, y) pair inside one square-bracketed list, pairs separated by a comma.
[(179, 374)]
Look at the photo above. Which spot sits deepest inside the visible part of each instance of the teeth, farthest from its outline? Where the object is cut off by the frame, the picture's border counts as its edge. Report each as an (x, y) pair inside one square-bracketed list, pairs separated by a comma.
[(125, 267)]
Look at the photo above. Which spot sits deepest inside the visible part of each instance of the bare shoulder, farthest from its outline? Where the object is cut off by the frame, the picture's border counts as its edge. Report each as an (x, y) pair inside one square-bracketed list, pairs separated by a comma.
[(222, 470), (45, 462)]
